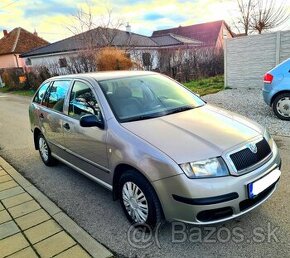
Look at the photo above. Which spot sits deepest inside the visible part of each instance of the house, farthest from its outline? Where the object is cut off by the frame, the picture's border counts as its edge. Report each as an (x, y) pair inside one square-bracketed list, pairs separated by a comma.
[(15, 43), (210, 34), (142, 50)]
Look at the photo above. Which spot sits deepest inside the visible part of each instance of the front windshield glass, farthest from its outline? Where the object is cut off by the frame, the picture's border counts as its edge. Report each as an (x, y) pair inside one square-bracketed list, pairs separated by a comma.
[(144, 97)]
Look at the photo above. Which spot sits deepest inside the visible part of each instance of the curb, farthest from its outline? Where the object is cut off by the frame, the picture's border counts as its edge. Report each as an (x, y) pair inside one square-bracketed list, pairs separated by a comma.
[(94, 248)]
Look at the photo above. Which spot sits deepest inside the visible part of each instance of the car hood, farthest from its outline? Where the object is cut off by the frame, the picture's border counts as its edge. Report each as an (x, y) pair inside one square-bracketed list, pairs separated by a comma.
[(195, 134)]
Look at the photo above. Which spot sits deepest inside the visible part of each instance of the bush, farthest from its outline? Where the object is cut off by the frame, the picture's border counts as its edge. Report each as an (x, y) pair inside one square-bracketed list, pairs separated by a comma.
[(36, 77), (109, 59), (11, 78)]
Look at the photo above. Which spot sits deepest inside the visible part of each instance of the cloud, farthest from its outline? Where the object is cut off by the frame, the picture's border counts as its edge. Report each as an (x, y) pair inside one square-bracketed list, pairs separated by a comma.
[(153, 16), (48, 8)]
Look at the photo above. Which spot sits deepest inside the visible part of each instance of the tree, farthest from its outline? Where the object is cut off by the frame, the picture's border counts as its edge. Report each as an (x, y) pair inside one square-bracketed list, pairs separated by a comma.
[(268, 15), (260, 15), (243, 22)]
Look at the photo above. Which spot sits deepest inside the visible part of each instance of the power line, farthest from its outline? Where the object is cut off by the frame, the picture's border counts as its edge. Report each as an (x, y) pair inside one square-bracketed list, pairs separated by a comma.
[(11, 3)]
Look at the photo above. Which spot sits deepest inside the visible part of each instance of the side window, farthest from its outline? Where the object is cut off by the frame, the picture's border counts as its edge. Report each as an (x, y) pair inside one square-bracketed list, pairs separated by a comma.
[(57, 94), (40, 93), (82, 101)]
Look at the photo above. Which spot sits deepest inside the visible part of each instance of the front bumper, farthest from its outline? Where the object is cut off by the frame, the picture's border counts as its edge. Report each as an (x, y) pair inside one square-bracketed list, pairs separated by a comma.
[(196, 201)]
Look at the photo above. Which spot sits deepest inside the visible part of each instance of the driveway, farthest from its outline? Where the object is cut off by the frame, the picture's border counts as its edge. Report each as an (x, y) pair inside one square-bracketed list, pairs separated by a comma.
[(250, 103), (262, 232)]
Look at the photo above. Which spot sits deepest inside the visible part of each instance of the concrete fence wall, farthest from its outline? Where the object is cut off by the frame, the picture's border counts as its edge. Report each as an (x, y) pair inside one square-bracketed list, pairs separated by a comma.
[(247, 59)]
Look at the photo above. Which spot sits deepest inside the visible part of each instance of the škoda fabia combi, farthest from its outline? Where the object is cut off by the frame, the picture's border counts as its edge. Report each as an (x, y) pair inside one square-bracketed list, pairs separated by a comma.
[(161, 150)]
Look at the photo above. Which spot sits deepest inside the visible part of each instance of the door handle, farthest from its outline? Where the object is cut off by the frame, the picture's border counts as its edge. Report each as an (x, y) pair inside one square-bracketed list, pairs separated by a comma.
[(41, 116), (66, 126)]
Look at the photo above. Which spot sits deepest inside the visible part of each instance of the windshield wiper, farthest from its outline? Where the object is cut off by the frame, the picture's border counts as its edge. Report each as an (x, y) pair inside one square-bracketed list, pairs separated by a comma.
[(179, 109), (141, 117)]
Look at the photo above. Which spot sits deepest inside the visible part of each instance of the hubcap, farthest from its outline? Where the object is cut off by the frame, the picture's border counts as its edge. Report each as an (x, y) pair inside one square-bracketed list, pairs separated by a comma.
[(43, 149), (135, 202), (283, 107)]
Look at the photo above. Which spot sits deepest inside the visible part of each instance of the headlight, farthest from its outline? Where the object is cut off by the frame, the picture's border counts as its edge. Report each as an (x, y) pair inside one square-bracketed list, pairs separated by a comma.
[(268, 138), (267, 135), (214, 167)]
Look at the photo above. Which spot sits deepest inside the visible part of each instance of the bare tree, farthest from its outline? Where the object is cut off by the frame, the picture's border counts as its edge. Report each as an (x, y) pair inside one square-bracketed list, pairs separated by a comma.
[(91, 33), (243, 22), (268, 15), (260, 15)]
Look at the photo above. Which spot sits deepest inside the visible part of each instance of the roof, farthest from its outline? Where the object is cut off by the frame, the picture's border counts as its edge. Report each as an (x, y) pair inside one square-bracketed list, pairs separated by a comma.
[(98, 37), (101, 76), (19, 41), (172, 39), (204, 32)]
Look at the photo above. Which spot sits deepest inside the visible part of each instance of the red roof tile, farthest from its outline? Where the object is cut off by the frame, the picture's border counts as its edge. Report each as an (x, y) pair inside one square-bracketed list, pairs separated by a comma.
[(19, 41)]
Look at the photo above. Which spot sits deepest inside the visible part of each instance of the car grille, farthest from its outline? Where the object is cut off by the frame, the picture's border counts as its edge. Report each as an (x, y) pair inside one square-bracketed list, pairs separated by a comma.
[(245, 158)]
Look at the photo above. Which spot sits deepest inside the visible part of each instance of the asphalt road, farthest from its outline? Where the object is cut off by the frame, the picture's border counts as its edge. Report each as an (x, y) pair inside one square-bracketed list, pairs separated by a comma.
[(262, 232)]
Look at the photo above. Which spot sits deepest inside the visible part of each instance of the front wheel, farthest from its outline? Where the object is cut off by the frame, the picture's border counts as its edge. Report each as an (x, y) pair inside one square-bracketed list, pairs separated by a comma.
[(281, 106), (139, 200), (45, 152)]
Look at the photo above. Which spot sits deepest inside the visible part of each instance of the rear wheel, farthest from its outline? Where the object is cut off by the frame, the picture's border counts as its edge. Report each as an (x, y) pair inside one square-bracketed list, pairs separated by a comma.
[(139, 200), (44, 151), (281, 106)]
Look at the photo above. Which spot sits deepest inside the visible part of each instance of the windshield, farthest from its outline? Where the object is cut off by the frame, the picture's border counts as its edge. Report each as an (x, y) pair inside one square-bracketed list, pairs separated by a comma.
[(144, 97)]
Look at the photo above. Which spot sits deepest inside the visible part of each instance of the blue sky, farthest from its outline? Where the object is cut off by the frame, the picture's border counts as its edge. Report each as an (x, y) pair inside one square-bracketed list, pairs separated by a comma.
[(52, 18)]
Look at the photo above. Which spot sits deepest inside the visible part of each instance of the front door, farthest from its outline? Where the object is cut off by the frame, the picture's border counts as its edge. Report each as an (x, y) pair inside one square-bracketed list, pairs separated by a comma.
[(86, 146)]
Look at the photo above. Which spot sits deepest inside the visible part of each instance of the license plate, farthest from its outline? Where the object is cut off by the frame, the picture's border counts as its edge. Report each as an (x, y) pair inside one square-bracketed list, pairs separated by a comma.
[(263, 183)]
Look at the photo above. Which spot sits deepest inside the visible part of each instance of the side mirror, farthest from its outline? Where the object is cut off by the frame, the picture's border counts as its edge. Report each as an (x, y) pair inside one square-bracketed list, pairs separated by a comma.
[(91, 121)]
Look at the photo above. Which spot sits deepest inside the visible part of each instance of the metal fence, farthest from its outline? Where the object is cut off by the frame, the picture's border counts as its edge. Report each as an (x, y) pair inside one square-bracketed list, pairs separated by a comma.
[(248, 58)]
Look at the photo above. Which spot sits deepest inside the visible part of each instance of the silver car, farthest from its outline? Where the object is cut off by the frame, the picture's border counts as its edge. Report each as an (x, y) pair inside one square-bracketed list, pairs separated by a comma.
[(161, 150)]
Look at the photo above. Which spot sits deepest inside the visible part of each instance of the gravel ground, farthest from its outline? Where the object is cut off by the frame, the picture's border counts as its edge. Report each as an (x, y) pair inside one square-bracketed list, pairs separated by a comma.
[(250, 103)]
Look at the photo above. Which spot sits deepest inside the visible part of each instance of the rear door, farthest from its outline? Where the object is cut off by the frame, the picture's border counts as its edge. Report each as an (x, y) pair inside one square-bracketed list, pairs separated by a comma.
[(51, 114), (86, 147)]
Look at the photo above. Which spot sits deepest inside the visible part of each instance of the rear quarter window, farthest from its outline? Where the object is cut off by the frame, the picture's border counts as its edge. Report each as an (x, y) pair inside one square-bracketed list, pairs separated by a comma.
[(41, 93)]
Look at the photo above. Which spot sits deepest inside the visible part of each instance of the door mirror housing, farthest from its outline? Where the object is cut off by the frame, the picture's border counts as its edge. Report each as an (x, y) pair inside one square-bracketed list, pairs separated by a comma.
[(91, 121)]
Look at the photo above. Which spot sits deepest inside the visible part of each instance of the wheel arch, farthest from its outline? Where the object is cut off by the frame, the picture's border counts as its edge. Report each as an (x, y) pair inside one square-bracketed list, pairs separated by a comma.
[(277, 94), (36, 132), (121, 169)]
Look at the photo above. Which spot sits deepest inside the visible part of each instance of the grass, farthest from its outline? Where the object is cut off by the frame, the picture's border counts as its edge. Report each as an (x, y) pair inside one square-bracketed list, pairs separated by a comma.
[(28, 93), (201, 86), (206, 86)]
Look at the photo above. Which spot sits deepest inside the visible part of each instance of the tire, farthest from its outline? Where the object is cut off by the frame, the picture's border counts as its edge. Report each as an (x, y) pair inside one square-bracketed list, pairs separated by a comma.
[(281, 106), (132, 208), (44, 151)]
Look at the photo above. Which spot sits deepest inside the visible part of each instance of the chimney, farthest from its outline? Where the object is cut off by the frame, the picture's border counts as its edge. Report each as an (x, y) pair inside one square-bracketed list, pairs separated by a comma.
[(5, 33), (35, 33), (128, 28)]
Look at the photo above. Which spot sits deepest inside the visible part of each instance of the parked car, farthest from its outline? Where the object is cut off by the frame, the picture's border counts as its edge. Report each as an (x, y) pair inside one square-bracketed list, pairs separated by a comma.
[(276, 91), (160, 149)]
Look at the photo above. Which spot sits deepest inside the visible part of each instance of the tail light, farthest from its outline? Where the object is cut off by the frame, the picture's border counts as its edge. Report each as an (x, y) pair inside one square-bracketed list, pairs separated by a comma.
[(268, 78)]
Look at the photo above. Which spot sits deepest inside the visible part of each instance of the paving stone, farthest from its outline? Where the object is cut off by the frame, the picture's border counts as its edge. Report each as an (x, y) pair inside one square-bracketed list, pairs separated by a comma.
[(91, 245), (42, 231), (7, 185), (11, 192), (12, 244), (2, 172), (74, 252), (24, 253), (54, 244), (5, 178), (32, 219), (46, 203), (1, 207), (4, 216), (7, 229), (23, 209), (16, 200)]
